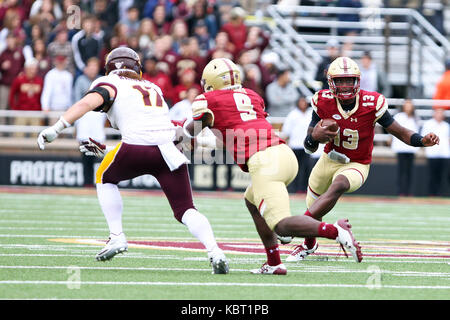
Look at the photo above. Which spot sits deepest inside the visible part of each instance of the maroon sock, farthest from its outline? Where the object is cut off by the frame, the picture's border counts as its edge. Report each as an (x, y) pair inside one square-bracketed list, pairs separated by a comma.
[(273, 256), (309, 242), (328, 231)]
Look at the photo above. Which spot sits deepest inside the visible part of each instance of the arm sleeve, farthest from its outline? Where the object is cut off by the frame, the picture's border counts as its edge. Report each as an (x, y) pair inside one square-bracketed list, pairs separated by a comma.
[(314, 119), (386, 119)]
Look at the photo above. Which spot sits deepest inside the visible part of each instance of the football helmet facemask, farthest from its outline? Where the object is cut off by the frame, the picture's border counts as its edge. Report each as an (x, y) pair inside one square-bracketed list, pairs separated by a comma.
[(344, 78), (123, 58), (220, 73)]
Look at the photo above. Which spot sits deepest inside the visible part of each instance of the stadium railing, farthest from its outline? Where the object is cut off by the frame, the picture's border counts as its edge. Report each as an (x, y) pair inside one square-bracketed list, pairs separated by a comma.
[(22, 139), (410, 50)]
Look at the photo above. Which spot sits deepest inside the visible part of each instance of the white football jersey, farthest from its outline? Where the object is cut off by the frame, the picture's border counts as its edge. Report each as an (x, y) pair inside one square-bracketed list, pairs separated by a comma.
[(139, 110)]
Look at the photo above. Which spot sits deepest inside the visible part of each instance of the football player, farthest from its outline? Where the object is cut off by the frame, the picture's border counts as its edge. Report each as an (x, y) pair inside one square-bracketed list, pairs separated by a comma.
[(137, 109), (344, 165), (237, 116)]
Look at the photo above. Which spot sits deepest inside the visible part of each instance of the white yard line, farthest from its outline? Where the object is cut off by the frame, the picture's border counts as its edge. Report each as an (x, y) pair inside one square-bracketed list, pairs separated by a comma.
[(290, 270), (211, 284)]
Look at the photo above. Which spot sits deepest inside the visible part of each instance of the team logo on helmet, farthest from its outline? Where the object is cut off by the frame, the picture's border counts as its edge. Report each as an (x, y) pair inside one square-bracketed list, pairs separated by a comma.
[(344, 78), (123, 58), (219, 74)]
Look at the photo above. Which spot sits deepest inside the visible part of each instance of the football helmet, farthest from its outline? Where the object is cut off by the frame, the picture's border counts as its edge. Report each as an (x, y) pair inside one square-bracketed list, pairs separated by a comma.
[(344, 78), (123, 58), (220, 73)]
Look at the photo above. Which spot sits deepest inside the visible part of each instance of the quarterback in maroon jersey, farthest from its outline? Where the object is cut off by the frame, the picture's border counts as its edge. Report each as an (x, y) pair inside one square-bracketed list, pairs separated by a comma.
[(344, 165), (236, 115)]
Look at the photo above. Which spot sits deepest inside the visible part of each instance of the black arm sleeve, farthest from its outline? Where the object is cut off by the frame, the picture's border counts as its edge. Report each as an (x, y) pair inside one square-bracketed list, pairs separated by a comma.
[(314, 119), (386, 119), (107, 101)]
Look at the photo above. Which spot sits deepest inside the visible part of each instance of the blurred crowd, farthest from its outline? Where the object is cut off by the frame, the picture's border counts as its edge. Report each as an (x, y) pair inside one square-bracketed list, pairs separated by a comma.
[(47, 45)]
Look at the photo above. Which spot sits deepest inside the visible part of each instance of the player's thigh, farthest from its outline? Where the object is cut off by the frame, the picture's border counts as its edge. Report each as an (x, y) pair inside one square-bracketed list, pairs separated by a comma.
[(321, 175), (270, 171), (356, 174)]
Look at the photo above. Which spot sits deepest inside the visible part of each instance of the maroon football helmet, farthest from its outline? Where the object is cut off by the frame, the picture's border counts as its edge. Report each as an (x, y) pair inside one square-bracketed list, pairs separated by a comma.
[(123, 58)]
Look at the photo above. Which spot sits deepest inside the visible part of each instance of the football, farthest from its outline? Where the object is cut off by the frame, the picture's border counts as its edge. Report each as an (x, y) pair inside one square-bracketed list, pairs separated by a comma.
[(330, 123)]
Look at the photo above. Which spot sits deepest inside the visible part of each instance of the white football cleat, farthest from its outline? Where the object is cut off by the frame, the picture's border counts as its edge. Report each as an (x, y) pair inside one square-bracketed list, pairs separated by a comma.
[(266, 269), (114, 245), (301, 252), (218, 261), (346, 240)]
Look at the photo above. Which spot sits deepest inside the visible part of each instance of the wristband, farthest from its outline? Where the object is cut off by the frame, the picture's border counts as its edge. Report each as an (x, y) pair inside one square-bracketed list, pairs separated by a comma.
[(61, 124), (310, 143), (416, 140)]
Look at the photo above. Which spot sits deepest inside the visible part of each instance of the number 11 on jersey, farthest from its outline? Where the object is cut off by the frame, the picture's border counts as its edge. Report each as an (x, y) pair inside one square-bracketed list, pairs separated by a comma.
[(150, 96)]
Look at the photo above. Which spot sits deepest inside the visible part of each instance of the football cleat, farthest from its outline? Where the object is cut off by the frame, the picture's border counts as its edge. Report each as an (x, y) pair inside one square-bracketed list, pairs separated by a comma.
[(266, 269), (114, 245), (301, 252), (346, 240), (218, 261)]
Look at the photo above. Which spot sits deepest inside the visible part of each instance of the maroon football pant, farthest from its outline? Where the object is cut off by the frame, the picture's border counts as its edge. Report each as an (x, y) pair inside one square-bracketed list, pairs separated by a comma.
[(132, 161)]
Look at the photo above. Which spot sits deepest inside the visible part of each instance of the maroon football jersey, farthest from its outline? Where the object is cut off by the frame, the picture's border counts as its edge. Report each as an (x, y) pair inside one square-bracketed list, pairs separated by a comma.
[(356, 127), (239, 118)]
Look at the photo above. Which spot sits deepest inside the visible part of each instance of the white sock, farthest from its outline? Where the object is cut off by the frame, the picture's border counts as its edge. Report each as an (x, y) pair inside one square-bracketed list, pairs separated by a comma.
[(200, 228), (111, 203)]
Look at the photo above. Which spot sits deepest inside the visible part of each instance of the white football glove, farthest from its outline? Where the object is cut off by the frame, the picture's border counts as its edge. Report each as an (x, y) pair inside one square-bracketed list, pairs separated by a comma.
[(182, 142), (51, 133), (93, 148)]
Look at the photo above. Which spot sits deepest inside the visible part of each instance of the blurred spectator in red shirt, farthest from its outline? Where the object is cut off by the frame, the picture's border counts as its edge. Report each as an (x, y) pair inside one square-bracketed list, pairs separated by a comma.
[(25, 94), (187, 81), (40, 54), (162, 50), (11, 63), (160, 24), (154, 74), (257, 40), (26, 89), (221, 43), (443, 87), (190, 58), (11, 25), (269, 62), (236, 29), (179, 32), (10, 6), (252, 79)]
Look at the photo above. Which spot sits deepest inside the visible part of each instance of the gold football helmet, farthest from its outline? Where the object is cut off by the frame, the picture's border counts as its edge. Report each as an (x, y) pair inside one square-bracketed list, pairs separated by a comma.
[(220, 73), (344, 78)]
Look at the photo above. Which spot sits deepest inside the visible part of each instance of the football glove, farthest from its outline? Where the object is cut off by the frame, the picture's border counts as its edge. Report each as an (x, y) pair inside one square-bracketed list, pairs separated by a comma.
[(51, 133), (93, 148), (182, 142)]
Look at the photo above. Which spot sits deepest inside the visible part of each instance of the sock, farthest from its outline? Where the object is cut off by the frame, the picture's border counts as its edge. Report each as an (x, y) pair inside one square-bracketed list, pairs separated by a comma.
[(309, 242), (328, 231), (200, 228), (273, 256), (111, 203)]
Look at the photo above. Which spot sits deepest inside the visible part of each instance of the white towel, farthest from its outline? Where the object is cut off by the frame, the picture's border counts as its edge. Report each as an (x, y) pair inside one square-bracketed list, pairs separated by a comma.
[(173, 157)]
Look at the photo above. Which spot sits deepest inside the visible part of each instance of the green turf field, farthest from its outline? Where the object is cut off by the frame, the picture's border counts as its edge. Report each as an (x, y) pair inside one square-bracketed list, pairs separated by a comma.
[(48, 242)]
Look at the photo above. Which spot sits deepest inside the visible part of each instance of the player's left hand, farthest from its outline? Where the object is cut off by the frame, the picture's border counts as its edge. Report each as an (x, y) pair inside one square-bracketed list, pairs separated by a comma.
[(92, 147), (430, 140)]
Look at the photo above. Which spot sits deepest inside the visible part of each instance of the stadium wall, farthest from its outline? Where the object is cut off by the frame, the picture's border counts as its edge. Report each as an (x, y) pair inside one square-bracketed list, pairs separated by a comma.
[(67, 171)]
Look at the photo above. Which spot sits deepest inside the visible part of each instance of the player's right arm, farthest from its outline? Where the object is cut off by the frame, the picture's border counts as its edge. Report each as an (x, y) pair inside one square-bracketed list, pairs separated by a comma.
[(97, 98), (202, 117)]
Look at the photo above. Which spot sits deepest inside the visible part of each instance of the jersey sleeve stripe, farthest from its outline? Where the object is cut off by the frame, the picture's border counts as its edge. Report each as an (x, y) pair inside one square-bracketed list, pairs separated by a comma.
[(108, 85), (198, 116)]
